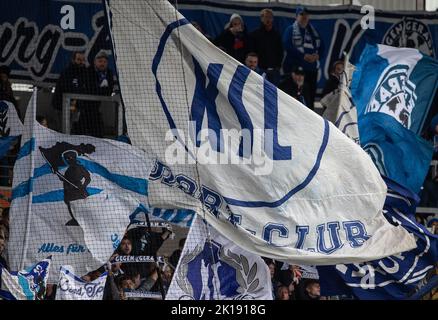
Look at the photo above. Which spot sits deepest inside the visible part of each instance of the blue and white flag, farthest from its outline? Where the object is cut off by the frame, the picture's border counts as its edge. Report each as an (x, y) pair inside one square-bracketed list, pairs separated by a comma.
[(27, 284), (11, 127), (400, 82), (72, 197), (72, 287), (396, 151), (212, 267), (340, 108), (394, 277), (180, 217), (271, 175)]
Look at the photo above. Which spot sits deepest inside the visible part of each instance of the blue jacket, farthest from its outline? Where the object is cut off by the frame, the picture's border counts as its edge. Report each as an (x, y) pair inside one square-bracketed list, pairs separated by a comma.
[(297, 42)]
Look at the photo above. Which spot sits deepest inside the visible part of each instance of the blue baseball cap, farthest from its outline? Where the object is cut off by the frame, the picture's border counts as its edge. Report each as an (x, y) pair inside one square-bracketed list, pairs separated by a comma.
[(301, 10)]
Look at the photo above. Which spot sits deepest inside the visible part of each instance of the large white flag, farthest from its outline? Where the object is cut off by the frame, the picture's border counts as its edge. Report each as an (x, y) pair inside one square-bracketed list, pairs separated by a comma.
[(72, 197), (218, 269), (72, 287), (273, 176), (340, 108)]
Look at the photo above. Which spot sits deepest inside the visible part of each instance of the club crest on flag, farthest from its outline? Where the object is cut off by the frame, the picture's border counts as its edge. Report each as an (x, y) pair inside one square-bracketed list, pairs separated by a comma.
[(394, 95), (416, 34)]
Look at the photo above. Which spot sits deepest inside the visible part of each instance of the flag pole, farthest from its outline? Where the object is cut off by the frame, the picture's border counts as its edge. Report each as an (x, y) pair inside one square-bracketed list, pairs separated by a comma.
[(29, 113)]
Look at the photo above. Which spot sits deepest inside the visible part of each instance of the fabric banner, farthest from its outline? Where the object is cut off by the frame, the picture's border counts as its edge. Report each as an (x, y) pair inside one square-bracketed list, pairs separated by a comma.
[(396, 151), (394, 277), (179, 217), (212, 267), (71, 199), (27, 284), (72, 287), (400, 82), (340, 108), (270, 174)]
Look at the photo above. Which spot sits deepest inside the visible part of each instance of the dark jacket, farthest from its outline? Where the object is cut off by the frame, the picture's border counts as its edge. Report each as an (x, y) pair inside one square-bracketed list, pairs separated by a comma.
[(291, 88), (93, 82), (331, 85), (268, 46), (236, 46), (72, 80)]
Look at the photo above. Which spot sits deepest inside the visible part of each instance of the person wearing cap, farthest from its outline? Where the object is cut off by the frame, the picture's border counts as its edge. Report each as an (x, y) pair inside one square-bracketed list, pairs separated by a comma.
[(266, 42), (100, 82), (303, 48), (234, 39), (6, 92), (296, 87)]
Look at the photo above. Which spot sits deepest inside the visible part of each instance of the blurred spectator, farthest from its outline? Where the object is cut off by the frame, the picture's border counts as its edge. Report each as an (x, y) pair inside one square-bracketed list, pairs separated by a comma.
[(296, 87), (252, 62), (151, 282), (167, 275), (234, 39), (303, 48), (433, 225), (50, 292), (147, 242), (312, 290), (3, 243), (266, 42), (71, 80), (283, 293), (42, 121), (174, 257), (125, 247), (200, 29), (335, 77), (5, 221), (99, 81), (6, 92), (274, 282)]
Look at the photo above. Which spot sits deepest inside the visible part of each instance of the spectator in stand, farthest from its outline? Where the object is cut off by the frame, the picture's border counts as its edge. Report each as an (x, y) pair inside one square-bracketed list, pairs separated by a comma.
[(42, 121), (151, 282), (303, 48), (99, 81), (147, 242), (234, 39), (5, 221), (166, 276), (335, 78), (3, 243), (274, 282), (282, 293), (296, 87), (6, 92), (125, 247), (174, 257), (266, 43), (252, 62), (71, 80), (312, 290)]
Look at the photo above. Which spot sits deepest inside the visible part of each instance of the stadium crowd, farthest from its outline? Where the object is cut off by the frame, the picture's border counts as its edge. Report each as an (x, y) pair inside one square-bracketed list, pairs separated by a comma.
[(289, 60)]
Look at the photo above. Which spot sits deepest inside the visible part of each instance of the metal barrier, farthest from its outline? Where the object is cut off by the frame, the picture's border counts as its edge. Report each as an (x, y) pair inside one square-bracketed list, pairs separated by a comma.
[(66, 102)]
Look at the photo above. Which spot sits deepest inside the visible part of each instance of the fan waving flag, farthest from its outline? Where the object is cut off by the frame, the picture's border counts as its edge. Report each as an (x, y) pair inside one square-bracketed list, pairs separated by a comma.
[(72, 287), (72, 197), (27, 284), (218, 269), (394, 277), (271, 175)]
